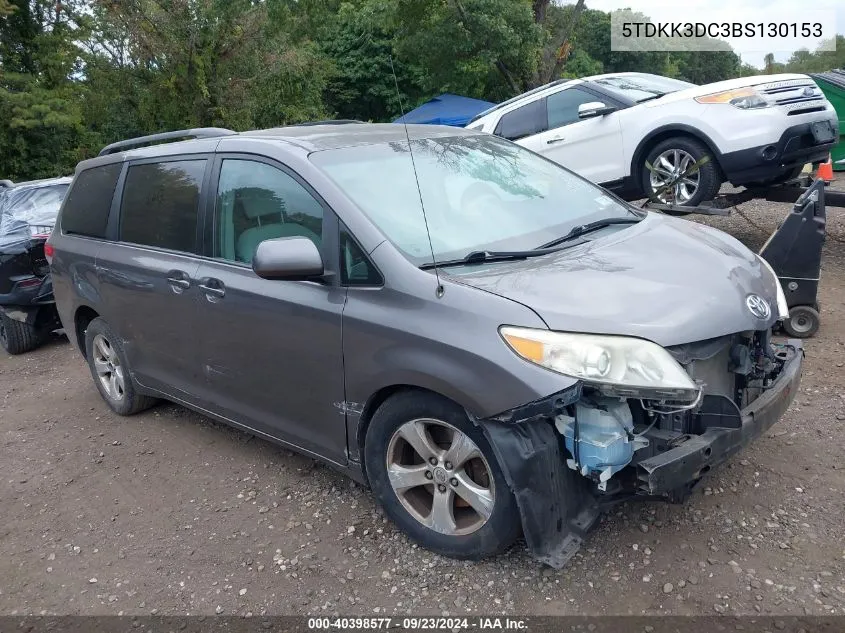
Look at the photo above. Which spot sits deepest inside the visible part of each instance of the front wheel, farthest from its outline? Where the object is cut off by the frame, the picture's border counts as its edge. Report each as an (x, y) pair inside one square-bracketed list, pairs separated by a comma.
[(16, 337), (683, 172), (437, 478)]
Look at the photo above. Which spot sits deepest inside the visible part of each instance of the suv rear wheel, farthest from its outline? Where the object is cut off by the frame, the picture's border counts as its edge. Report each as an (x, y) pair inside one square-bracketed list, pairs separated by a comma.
[(670, 160), (110, 371), (437, 478), (17, 337)]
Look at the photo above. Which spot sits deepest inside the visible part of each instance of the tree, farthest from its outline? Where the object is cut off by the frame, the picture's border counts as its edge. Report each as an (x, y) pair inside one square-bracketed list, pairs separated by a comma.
[(361, 83), (768, 63), (40, 120)]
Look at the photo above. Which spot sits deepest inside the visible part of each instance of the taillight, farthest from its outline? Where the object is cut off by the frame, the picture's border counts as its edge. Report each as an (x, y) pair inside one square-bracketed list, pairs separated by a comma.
[(48, 252)]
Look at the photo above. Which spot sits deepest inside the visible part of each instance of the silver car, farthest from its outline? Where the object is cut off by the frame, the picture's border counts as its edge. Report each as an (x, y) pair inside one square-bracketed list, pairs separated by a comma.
[(493, 344)]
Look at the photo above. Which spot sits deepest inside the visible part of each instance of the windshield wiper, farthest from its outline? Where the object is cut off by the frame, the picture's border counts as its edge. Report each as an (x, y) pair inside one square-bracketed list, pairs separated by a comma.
[(656, 95), (482, 257), (583, 229)]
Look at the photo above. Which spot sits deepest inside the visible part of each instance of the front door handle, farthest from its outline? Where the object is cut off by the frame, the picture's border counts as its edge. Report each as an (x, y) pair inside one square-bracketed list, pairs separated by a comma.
[(556, 139), (213, 288), (178, 280)]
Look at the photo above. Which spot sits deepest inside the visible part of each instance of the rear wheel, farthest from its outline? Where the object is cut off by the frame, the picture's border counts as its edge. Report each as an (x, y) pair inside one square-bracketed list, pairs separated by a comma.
[(17, 337), (110, 371), (436, 477), (674, 179)]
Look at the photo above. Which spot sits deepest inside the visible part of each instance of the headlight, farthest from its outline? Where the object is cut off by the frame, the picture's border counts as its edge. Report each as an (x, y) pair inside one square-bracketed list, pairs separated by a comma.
[(783, 308), (743, 98), (616, 365)]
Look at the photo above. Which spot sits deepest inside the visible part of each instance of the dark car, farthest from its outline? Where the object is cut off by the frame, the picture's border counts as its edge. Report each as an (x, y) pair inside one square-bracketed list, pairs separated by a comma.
[(27, 214), (494, 344)]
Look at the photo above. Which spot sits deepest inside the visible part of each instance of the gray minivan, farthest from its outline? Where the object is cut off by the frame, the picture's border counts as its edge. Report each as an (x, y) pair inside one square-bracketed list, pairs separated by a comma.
[(493, 344)]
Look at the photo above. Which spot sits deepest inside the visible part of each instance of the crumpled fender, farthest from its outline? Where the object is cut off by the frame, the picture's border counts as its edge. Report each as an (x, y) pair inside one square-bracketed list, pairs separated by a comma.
[(555, 503)]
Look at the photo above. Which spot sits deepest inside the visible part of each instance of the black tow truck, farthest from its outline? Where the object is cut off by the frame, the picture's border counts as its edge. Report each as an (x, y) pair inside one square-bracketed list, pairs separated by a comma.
[(28, 213)]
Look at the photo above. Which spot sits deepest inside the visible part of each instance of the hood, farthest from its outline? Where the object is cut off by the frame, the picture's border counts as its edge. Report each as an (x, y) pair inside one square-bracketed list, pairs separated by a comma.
[(665, 279)]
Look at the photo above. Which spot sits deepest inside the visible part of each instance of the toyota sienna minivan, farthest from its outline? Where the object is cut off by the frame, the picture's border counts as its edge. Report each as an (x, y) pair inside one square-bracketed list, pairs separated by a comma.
[(493, 344)]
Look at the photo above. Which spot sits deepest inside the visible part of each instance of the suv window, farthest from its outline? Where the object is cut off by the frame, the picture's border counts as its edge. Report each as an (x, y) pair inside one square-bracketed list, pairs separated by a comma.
[(525, 121), (86, 210), (563, 106), (257, 202), (160, 203), (356, 269)]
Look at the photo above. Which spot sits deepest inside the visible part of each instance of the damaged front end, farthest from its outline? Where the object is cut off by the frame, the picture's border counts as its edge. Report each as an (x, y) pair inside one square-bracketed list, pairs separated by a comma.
[(597, 443)]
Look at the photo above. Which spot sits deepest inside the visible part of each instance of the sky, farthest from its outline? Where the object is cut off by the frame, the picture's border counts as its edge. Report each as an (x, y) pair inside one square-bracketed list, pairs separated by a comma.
[(752, 51)]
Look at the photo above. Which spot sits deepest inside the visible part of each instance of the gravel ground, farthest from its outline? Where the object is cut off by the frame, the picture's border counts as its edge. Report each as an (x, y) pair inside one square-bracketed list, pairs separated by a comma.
[(170, 513)]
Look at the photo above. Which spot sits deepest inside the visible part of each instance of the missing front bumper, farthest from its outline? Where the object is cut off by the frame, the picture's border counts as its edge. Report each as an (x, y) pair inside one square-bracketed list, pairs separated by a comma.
[(675, 468), (558, 507)]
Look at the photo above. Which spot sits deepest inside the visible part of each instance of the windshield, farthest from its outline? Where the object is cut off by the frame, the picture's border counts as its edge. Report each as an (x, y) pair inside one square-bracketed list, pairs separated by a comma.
[(642, 87), (27, 207), (481, 193)]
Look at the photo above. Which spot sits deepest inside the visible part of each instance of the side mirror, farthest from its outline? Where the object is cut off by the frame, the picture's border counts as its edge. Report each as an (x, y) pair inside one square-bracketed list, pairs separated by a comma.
[(594, 109), (292, 258)]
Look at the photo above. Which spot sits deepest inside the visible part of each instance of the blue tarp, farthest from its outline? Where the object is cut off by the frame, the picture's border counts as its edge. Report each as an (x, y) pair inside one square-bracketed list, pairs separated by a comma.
[(447, 109)]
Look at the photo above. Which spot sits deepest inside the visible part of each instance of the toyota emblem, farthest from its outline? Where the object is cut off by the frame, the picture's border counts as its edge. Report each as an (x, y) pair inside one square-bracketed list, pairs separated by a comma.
[(758, 306)]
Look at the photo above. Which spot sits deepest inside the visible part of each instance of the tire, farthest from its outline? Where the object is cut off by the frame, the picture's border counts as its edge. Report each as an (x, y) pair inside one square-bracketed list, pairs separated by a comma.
[(16, 337), (803, 322), (708, 177), (107, 362), (463, 532)]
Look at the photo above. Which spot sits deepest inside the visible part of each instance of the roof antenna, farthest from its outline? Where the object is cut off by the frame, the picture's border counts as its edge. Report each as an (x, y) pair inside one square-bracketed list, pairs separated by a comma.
[(440, 289)]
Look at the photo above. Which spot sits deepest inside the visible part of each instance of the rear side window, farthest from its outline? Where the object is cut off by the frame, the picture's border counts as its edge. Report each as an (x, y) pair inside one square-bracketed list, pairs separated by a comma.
[(525, 121), (86, 210), (160, 204)]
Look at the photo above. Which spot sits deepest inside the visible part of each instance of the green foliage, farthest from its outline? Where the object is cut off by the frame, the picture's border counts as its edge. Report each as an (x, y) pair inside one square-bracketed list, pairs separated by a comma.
[(361, 85), (803, 61), (78, 74)]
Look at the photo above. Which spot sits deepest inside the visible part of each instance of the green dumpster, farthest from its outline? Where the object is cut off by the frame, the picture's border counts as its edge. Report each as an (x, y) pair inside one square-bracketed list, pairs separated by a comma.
[(832, 84)]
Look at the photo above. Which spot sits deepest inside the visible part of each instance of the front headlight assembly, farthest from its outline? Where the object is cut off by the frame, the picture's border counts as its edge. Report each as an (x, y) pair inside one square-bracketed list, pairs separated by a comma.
[(742, 98), (618, 366)]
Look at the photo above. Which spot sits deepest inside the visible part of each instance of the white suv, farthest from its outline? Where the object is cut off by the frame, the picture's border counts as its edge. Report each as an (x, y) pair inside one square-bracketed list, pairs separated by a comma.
[(756, 130)]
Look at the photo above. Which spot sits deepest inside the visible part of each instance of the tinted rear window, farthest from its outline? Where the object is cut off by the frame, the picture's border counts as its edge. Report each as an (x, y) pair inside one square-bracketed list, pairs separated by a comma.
[(160, 202), (86, 211)]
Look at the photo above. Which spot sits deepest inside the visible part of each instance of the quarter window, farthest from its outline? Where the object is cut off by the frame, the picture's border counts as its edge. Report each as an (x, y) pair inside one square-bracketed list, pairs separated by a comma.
[(86, 210), (160, 203), (258, 202), (525, 121), (356, 269)]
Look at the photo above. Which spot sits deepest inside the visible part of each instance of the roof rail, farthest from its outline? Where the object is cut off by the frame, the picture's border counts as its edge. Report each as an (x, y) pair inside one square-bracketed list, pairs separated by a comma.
[(200, 132), (326, 122), (533, 91), (6, 183)]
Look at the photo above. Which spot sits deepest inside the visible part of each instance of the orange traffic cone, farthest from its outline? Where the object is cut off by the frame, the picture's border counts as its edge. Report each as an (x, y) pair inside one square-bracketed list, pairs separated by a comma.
[(825, 171)]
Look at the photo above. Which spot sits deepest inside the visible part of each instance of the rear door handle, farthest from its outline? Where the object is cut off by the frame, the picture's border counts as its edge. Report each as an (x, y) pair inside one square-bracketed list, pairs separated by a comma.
[(213, 288), (178, 280)]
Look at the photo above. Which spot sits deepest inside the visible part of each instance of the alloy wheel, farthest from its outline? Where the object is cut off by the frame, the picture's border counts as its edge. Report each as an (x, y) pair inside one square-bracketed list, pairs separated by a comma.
[(440, 476), (671, 167), (108, 368)]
